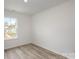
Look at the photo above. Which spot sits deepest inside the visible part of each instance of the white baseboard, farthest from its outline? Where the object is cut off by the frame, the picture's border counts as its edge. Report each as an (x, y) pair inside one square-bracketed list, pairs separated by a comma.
[(69, 55)]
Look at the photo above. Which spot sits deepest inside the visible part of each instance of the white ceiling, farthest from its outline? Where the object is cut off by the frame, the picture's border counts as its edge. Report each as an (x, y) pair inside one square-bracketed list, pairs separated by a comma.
[(32, 6)]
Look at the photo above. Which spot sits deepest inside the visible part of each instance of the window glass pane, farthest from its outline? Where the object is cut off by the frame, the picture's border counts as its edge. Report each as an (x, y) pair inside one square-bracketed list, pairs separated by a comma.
[(9, 28)]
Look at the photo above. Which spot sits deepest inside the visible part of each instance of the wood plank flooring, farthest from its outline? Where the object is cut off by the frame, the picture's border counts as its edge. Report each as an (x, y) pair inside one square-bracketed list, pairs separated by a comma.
[(30, 51)]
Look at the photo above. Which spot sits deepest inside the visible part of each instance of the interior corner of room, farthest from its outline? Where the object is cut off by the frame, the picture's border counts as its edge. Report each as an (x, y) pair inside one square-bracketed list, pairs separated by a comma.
[(49, 24)]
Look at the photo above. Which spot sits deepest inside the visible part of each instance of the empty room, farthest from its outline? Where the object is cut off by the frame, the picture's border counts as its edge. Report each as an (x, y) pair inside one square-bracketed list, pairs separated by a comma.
[(39, 29)]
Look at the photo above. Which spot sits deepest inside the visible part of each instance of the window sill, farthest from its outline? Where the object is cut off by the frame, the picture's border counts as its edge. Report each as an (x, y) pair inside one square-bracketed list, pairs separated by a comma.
[(9, 39)]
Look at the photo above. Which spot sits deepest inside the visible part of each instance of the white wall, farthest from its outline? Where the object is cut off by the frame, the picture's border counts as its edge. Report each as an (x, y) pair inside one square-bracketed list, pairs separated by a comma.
[(54, 28), (23, 30)]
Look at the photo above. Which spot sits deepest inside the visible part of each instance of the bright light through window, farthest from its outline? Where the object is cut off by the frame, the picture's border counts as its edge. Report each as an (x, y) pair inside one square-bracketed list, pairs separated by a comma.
[(10, 28)]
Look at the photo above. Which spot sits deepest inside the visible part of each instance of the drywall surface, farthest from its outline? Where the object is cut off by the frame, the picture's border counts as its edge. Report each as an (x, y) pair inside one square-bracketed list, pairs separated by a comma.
[(54, 28), (23, 29)]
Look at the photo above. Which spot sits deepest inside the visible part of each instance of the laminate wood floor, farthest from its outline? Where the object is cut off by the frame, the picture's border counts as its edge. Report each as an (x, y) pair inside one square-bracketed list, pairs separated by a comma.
[(30, 51)]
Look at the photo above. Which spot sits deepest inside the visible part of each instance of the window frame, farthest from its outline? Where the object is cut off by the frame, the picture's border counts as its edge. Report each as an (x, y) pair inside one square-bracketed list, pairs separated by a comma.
[(16, 27)]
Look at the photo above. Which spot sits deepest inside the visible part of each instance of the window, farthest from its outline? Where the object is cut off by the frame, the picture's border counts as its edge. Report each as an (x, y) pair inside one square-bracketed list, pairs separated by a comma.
[(10, 28)]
